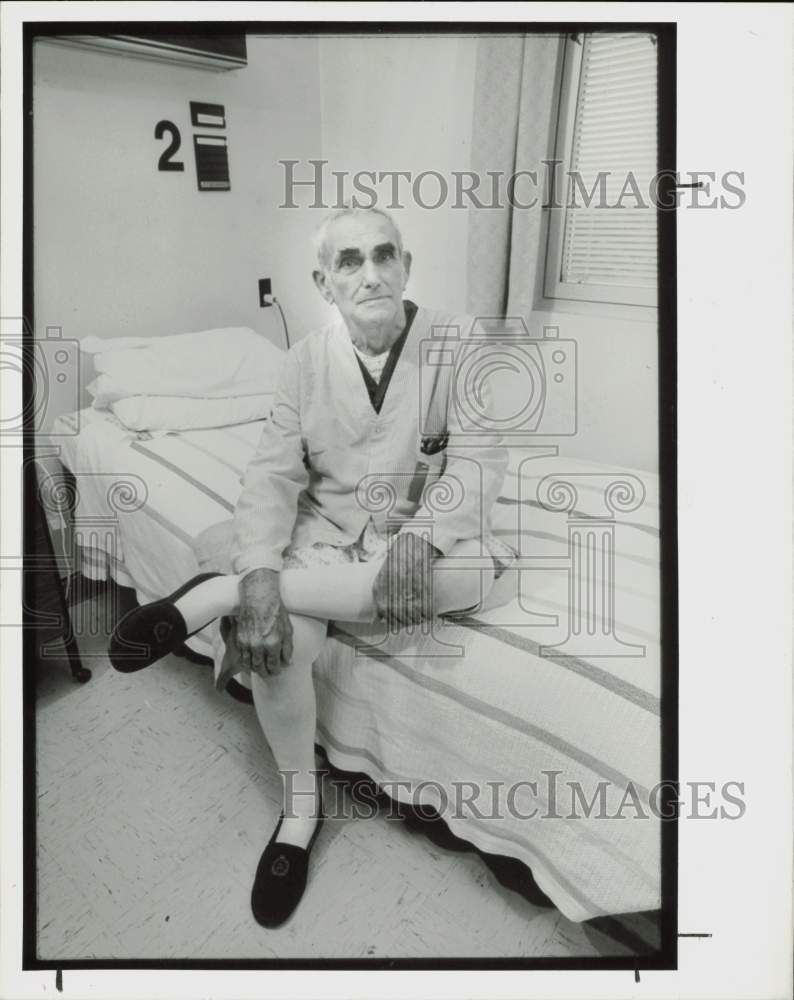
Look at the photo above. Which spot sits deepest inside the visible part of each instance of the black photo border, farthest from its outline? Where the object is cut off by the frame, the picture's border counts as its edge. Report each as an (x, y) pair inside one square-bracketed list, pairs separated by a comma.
[(666, 958)]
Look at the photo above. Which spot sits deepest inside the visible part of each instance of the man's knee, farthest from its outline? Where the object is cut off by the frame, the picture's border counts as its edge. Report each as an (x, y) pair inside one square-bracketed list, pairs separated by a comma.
[(465, 577), (308, 637), (466, 548)]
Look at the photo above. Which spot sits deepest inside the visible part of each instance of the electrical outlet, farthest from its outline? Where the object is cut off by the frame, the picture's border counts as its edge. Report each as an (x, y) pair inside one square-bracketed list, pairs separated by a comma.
[(265, 292)]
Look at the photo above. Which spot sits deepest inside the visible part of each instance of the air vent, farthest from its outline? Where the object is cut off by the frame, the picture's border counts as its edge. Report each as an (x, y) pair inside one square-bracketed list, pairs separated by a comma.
[(219, 53)]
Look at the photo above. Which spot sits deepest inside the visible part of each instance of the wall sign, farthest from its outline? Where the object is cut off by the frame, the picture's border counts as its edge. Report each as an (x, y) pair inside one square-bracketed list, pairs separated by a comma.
[(211, 151), (212, 162), (207, 115)]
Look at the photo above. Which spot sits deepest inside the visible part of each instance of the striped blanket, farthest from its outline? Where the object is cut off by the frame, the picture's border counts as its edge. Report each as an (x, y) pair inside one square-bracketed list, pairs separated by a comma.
[(533, 727)]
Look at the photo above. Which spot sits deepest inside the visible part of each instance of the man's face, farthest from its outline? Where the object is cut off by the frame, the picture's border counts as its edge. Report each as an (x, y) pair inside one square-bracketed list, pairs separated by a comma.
[(364, 273)]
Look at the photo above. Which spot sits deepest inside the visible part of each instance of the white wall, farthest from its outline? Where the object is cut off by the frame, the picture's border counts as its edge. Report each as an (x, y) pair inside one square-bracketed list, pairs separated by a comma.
[(124, 249), (404, 103), (617, 399)]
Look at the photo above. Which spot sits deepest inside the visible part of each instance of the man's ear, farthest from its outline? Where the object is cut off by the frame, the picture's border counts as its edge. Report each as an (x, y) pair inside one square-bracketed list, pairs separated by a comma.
[(322, 286), (407, 258)]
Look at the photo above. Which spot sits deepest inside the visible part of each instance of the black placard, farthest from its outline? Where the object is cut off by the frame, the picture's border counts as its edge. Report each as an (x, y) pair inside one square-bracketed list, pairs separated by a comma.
[(207, 115), (212, 162)]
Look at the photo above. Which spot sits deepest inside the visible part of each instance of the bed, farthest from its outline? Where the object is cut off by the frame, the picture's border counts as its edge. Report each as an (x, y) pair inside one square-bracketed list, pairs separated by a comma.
[(559, 684)]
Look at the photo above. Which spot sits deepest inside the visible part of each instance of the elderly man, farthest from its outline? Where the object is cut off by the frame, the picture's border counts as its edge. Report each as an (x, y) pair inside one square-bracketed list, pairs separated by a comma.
[(368, 410)]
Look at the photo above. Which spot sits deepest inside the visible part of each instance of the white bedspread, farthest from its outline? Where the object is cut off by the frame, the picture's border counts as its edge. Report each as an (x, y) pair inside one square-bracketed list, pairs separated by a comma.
[(585, 714)]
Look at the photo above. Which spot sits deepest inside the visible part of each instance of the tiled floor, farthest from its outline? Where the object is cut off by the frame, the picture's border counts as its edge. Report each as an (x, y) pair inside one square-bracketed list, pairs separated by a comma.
[(156, 796)]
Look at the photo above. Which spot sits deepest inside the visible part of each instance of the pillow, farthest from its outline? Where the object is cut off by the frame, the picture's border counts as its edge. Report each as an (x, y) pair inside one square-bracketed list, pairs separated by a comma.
[(225, 362), (180, 413)]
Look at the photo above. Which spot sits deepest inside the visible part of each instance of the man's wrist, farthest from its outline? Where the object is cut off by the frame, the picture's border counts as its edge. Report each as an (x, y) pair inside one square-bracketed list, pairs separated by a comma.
[(260, 571), (256, 579)]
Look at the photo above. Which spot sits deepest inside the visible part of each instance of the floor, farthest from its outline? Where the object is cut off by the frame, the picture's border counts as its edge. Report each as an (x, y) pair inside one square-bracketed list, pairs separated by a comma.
[(156, 796)]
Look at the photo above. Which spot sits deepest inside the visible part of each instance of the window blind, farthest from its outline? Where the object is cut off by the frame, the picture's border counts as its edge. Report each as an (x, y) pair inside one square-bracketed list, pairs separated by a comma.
[(614, 133)]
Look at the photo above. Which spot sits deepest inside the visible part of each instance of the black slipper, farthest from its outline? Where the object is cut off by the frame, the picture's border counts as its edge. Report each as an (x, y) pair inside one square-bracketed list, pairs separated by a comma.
[(281, 878), (148, 633)]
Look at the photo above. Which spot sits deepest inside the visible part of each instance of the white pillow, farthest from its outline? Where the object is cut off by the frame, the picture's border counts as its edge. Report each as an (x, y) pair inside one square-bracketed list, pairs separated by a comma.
[(179, 413), (210, 364)]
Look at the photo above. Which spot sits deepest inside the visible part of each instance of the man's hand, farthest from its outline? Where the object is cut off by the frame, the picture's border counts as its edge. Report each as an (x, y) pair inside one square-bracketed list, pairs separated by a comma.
[(264, 632), (402, 588)]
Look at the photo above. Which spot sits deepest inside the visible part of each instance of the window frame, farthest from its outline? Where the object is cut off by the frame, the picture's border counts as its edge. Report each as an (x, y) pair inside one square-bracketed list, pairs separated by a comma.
[(627, 301)]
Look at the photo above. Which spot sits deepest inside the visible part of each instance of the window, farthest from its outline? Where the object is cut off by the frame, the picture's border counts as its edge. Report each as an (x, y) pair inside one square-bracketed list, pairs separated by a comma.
[(602, 222)]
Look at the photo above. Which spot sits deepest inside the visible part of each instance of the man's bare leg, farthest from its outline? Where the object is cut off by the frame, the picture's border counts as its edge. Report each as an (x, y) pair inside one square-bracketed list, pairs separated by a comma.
[(286, 708), (344, 593)]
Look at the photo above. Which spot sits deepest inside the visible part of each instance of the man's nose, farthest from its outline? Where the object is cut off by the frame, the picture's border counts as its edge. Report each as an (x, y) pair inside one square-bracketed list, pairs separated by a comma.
[(370, 273)]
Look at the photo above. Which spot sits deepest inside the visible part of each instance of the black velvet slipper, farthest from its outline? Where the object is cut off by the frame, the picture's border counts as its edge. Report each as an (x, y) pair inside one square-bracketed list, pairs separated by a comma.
[(281, 878), (150, 632)]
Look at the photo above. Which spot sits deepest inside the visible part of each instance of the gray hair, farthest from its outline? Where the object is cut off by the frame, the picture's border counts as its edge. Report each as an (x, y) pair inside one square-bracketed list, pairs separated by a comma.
[(320, 238)]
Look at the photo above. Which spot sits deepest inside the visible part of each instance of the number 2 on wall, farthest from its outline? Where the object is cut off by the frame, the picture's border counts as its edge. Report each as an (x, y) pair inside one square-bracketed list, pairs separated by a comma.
[(165, 162)]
